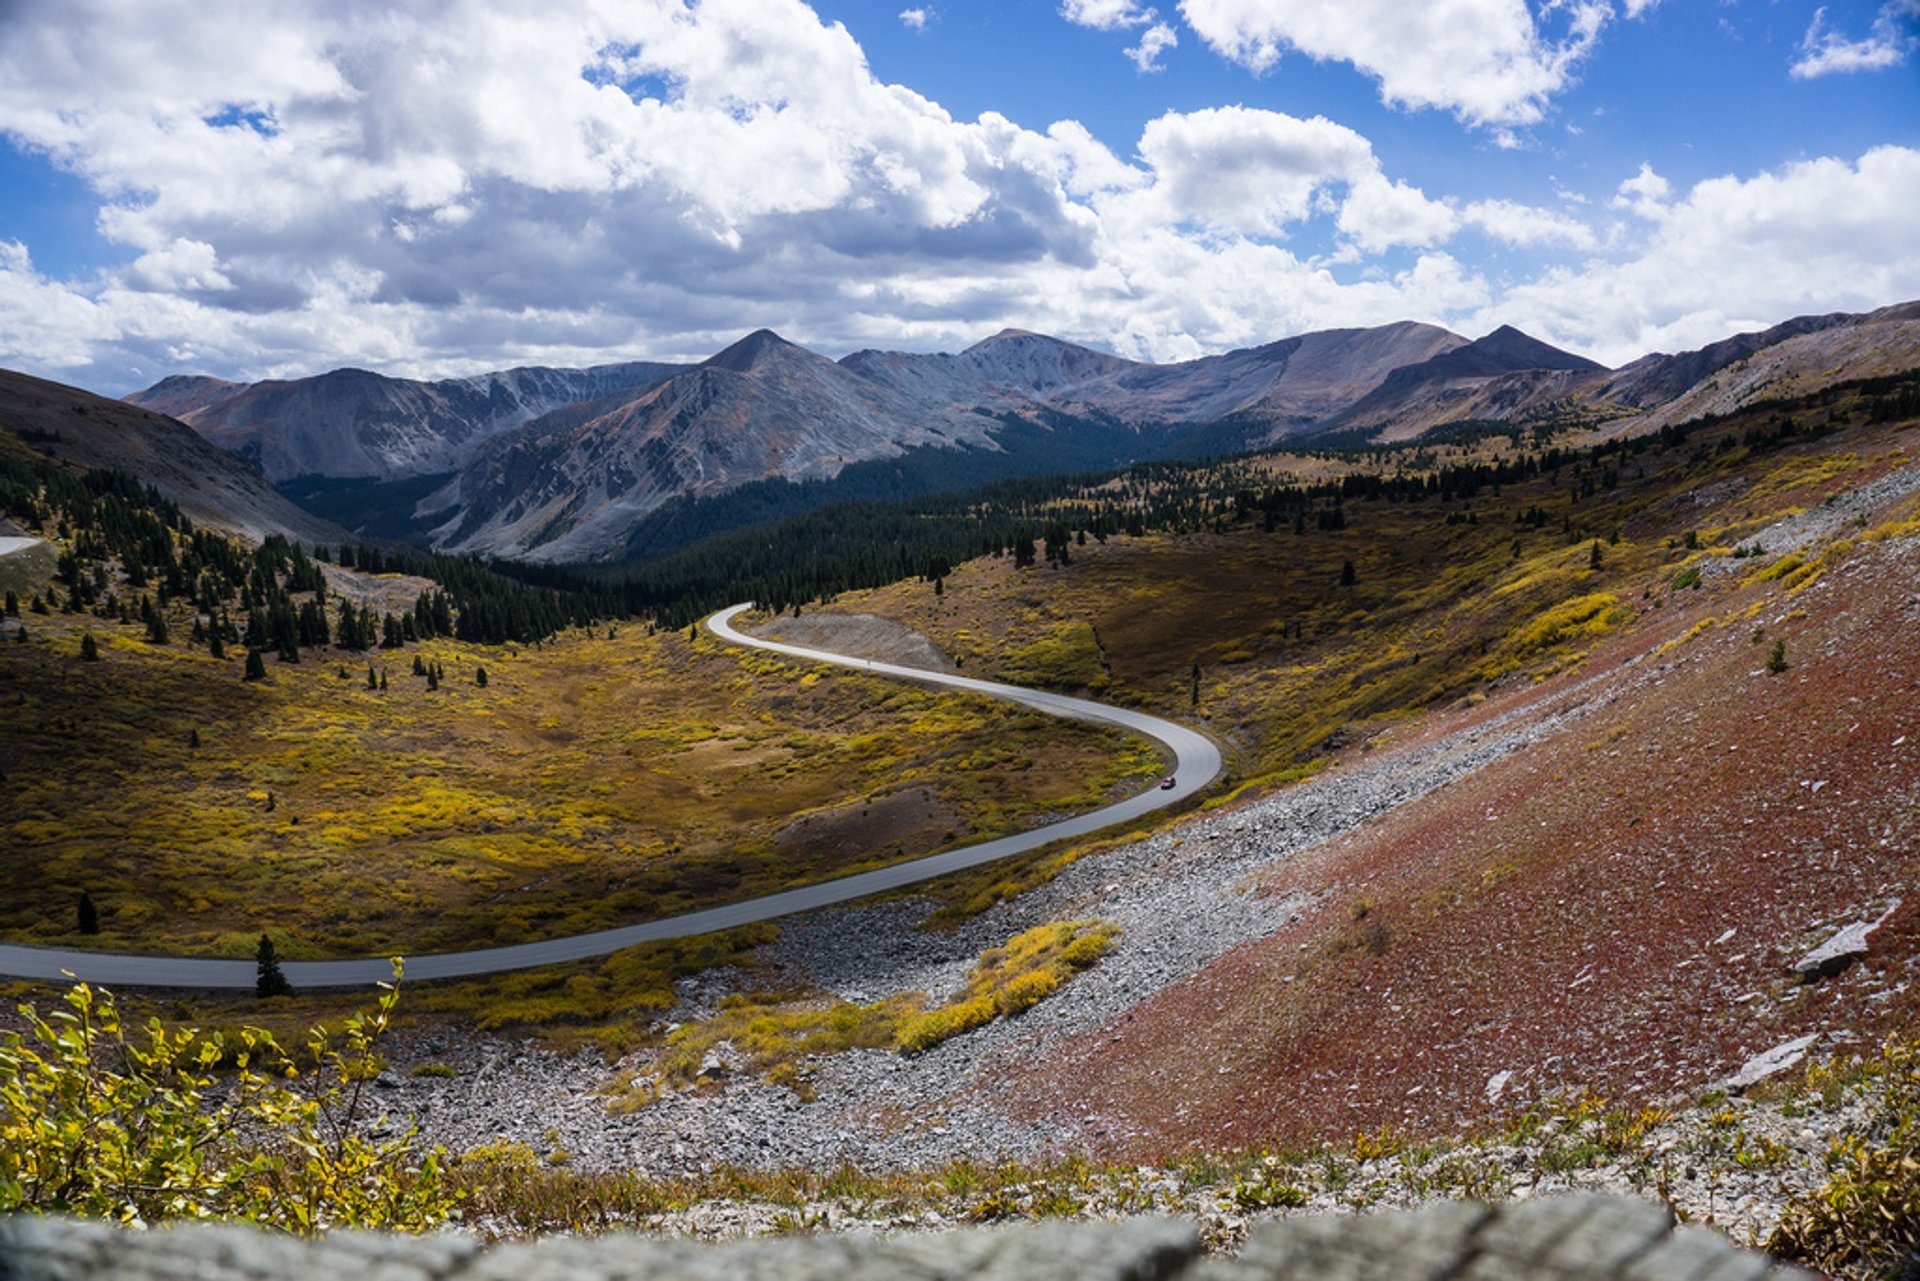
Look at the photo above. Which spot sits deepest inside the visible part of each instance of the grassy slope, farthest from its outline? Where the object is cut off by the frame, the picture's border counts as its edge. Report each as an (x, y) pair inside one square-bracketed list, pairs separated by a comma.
[(1614, 908), (591, 782)]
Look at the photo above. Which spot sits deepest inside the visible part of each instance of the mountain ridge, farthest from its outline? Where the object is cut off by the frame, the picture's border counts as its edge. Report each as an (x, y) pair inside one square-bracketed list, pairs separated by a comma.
[(568, 481)]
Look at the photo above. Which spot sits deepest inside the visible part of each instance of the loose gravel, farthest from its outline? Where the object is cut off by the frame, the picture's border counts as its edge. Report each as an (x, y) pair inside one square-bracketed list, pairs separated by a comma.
[(1183, 897)]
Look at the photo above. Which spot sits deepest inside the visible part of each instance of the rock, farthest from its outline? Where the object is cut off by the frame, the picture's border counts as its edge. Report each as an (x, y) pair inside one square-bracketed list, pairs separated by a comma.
[(388, 1081), (1577, 1238), (1778, 1059), (1840, 951), (712, 1069)]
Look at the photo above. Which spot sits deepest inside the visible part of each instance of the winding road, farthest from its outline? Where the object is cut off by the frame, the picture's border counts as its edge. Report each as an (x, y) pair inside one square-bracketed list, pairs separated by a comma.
[(1198, 761)]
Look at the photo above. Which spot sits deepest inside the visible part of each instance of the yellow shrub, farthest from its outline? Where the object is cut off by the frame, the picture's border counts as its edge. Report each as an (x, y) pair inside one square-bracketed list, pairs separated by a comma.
[(1571, 620), (1026, 991)]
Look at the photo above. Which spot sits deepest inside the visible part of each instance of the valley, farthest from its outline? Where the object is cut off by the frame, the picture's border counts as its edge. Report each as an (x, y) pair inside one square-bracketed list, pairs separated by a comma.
[(1549, 748)]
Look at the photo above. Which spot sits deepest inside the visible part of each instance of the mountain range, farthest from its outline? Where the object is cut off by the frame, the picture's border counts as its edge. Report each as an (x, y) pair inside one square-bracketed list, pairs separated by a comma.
[(564, 465), (208, 483)]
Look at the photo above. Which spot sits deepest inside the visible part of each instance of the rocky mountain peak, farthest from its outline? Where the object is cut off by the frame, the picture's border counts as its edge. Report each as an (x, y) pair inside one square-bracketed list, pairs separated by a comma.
[(755, 349)]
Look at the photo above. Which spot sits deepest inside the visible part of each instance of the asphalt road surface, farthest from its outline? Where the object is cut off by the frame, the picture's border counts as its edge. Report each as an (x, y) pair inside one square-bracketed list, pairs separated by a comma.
[(1197, 762)]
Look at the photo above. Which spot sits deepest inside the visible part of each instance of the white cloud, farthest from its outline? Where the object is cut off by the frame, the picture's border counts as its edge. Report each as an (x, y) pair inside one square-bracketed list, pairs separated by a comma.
[(1247, 171), (1379, 214), (445, 190), (1106, 15), (915, 19), (1645, 194), (1891, 38), (1528, 225), (1154, 41), (1486, 60), (1734, 253)]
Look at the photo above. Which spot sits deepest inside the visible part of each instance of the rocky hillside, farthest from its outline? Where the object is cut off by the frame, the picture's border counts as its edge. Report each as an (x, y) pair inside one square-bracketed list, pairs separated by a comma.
[(559, 465), (569, 486), (209, 484), (352, 423)]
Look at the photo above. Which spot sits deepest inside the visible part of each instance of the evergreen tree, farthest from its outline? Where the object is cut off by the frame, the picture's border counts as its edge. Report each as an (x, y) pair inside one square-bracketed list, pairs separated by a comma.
[(480, 676), (419, 666), (1593, 556), (373, 677), (269, 981), (256, 666), (216, 646), (89, 648), (383, 680), (1347, 578), (89, 915), (13, 605), (1193, 693), (193, 738)]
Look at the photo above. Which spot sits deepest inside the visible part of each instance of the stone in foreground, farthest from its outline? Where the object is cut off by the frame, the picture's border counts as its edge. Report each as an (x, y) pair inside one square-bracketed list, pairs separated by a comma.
[(1578, 1238)]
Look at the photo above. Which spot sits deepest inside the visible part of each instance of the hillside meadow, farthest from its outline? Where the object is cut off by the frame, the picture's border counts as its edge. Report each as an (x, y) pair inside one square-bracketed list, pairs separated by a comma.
[(605, 776)]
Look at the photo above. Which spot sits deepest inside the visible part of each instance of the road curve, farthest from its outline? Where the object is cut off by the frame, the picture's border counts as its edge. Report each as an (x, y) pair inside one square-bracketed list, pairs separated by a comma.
[(1198, 761)]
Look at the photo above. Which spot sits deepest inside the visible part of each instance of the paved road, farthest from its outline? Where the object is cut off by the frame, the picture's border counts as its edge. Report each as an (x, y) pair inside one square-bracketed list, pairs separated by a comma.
[(1198, 761)]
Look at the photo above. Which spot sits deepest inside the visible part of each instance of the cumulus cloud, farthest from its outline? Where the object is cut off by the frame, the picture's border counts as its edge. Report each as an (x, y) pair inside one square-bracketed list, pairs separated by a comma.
[(1379, 214), (1888, 42), (1248, 171), (1645, 193), (1528, 225), (1741, 253), (1154, 41), (480, 184), (1488, 61), (915, 19), (1106, 15)]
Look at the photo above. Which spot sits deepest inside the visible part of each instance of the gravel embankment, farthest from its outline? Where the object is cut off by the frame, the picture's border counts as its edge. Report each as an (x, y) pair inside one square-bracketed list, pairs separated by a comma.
[(1183, 897)]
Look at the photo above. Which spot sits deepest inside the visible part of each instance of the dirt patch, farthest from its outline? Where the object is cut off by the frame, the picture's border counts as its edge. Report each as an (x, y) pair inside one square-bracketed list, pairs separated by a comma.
[(914, 818), (862, 636)]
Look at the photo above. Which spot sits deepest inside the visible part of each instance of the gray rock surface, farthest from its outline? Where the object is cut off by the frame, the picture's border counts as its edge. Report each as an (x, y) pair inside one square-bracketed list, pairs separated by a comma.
[(1843, 949), (1579, 1238)]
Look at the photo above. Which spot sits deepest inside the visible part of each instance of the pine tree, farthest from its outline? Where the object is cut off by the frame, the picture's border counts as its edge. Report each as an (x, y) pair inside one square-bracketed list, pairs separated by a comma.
[(1593, 556), (383, 680), (216, 646), (89, 914), (193, 738), (1193, 694), (13, 605), (1777, 661), (89, 648), (480, 676), (256, 666), (269, 981), (373, 677), (1347, 577), (419, 666)]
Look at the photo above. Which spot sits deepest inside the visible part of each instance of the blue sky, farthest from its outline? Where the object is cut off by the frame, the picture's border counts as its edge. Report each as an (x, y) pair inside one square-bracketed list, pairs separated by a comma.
[(449, 186)]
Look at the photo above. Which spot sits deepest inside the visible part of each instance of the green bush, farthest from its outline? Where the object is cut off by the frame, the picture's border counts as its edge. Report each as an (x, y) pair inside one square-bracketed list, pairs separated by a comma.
[(106, 1121)]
